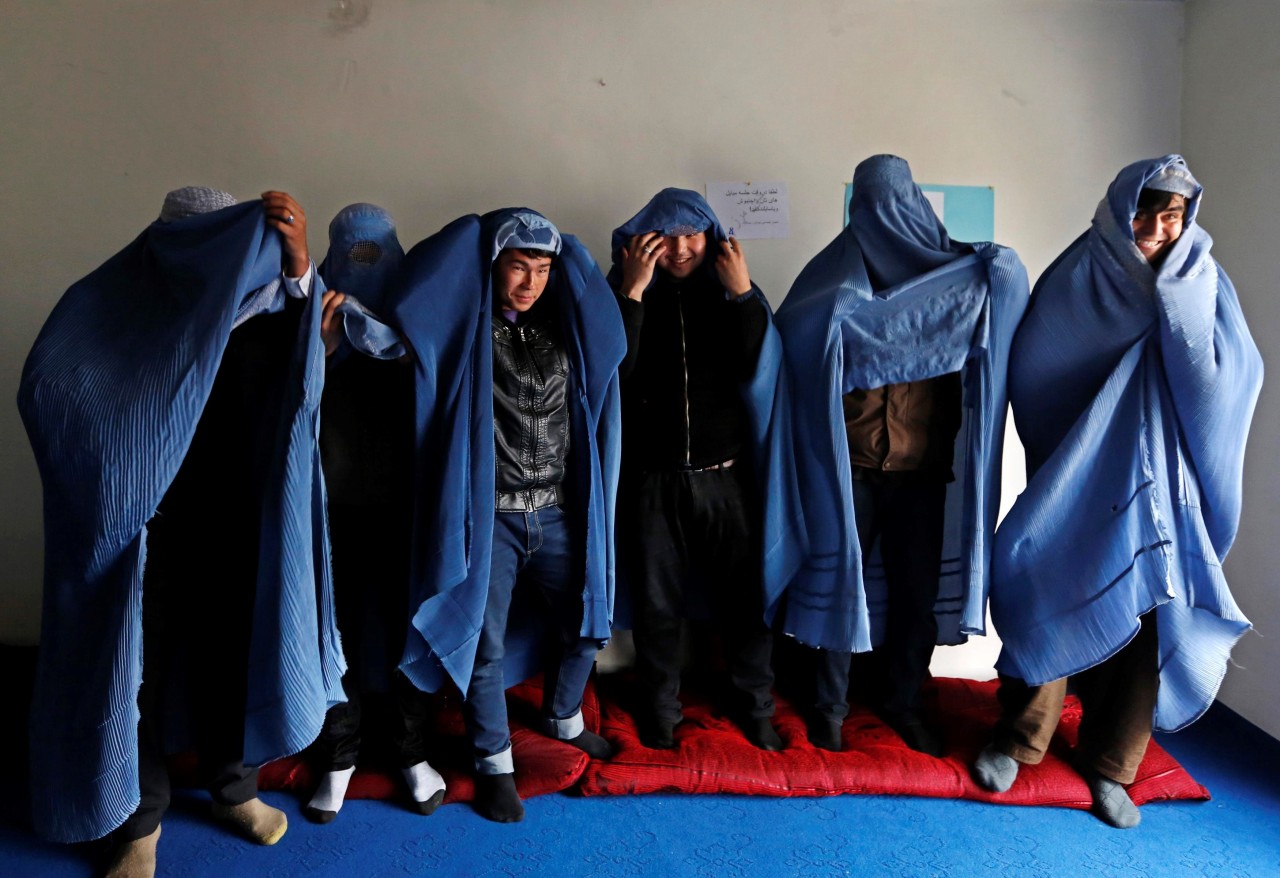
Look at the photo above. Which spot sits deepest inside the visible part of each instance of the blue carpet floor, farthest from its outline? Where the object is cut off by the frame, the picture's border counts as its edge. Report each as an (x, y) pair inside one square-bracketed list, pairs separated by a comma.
[(1236, 834)]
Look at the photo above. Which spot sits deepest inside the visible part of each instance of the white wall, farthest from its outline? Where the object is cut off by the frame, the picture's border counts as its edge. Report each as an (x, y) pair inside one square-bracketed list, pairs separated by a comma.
[(1230, 132), (580, 108)]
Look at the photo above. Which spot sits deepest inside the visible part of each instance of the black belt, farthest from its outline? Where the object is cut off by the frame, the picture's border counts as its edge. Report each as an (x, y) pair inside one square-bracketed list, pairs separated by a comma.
[(527, 500)]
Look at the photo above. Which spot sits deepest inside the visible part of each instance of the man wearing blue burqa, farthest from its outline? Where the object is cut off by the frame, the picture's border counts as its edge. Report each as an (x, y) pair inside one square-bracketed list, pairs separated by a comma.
[(366, 444), (709, 514), (1133, 380), (171, 400), (516, 343), (896, 341)]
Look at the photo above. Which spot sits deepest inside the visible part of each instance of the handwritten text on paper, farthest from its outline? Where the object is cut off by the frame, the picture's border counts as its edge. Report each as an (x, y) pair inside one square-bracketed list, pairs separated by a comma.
[(752, 209)]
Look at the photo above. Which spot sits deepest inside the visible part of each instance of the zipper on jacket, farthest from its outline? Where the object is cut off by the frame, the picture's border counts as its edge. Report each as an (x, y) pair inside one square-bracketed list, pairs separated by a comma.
[(528, 367), (684, 360)]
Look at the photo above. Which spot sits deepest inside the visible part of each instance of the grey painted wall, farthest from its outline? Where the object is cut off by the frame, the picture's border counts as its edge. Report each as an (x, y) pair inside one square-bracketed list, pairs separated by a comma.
[(1230, 132), (580, 108)]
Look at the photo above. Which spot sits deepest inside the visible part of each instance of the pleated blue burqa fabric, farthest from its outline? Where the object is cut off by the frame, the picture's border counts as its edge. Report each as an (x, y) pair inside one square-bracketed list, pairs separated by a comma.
[(893, 299), (442, 304), (680, 212), (110, 396), (1132, 390)]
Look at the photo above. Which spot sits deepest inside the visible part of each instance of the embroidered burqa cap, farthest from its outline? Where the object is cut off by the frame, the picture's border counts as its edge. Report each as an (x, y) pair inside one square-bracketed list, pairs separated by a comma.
[(192, 200), (523, 229)]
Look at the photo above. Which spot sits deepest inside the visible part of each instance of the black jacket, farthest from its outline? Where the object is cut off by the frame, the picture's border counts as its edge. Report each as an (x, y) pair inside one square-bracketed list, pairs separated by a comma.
[(689, 351), (530, 411)]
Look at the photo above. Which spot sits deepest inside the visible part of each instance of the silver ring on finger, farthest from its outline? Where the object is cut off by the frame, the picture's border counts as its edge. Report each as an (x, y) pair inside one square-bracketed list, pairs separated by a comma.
[(289, 219), (648, 249)]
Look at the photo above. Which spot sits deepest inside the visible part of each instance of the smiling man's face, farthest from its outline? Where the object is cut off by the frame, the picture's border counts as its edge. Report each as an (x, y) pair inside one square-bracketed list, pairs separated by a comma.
[(1158, 224), (683, 255), (519, 277)]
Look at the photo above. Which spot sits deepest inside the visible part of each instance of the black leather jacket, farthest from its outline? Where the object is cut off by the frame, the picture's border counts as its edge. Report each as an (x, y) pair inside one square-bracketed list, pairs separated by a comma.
[(530, 412)]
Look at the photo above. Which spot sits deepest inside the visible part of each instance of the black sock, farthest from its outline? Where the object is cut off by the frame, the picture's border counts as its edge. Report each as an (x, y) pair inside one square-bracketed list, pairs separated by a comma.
[(497, 799), (826, 733), (761, 733), (592, 744)]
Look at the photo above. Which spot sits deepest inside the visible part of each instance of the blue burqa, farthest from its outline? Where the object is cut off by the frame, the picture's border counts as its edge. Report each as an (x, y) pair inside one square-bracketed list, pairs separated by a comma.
[(364, 255), (893, 299), (442, 304), (682, 212), (1132, 390), (366, 422), (110, 396)]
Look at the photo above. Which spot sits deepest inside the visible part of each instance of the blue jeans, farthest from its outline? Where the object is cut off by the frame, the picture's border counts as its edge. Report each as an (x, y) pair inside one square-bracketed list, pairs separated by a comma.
[(534, 548)]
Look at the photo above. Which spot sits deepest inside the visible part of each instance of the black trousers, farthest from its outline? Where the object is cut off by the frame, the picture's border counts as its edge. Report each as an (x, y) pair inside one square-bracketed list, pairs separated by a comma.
[(695, 550), (212, 695), (402, 715), (201, 578), (370, 579), (907, 517)]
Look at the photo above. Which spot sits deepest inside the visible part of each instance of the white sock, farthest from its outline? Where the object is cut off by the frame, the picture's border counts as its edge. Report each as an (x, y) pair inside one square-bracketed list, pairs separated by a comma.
[(424, 781), (332, 790)]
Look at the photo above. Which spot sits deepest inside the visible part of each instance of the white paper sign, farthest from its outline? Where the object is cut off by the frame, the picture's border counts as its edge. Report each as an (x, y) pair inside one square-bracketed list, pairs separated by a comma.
[(752, 209)]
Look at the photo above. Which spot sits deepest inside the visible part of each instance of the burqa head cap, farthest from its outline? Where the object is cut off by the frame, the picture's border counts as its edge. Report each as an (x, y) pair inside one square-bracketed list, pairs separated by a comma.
[(191, 200), (898, 233), (523, 229), (1175, 178), (364, 252), (883, 177)]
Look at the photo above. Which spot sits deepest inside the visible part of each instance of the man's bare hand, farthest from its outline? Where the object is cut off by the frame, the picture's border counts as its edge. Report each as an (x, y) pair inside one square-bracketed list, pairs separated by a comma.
[(287, 217), (731, 266), (638, 260), (331, 321)]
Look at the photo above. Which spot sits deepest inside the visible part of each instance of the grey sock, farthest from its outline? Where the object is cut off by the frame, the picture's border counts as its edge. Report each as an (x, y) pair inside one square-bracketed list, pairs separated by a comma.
[(994, 770), (1111, 802)]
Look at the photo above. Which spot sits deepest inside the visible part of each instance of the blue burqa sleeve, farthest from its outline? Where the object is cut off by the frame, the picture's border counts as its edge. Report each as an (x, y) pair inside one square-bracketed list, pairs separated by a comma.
[(892, 299), (441, 304), (766, 395), (1132, 390), (110, 396)]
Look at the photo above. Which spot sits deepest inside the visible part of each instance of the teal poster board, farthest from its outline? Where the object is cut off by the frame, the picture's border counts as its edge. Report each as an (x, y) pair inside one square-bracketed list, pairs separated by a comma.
[(968, 212)]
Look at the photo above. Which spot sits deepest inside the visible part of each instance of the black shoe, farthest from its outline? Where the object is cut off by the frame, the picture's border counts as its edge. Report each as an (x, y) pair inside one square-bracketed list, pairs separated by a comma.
[(915, 734), (658, 734), (826, 733), (761, 733), (497, 799)]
